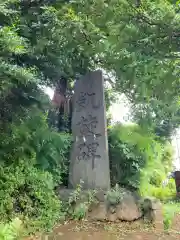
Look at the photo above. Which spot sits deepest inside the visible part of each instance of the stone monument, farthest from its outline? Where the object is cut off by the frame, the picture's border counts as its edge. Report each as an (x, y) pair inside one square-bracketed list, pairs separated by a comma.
[(89, 155)]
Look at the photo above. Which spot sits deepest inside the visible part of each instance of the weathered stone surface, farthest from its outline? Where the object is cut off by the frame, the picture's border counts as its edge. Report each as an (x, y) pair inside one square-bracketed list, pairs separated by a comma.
[(156, 204), (158, 219), (128, 209), (112, 217), (100, 195), (89, 156), (153, 213), (157, 215), (99, 213), (151, 203), (64, 193)]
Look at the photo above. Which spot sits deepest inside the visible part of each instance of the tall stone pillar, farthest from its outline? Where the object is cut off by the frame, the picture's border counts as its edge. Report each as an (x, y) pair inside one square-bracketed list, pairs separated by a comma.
[(89, 155)]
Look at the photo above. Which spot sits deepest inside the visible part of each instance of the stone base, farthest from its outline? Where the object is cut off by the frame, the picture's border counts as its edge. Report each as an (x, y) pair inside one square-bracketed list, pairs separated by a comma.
[(129, 209)]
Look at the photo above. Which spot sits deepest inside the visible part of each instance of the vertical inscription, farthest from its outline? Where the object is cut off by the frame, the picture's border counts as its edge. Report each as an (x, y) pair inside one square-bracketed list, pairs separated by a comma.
[(86, 99), (89, 156), (88, 143), (88, 125)]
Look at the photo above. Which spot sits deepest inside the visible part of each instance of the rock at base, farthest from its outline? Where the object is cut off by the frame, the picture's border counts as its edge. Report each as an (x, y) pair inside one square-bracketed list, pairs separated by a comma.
[(112, 217), (99, 213), (153, 212), (128, 209)]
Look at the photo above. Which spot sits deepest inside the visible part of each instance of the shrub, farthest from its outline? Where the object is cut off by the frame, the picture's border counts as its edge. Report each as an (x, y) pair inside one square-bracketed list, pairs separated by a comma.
[(114, 195), (170, 209), (129, 150), (32, 137), (11, 231), (161, 193), (33, 161), (139, 162), (52, 154), (79, 202), (80, 211), (167, 156), (28, 192), (155, 173)]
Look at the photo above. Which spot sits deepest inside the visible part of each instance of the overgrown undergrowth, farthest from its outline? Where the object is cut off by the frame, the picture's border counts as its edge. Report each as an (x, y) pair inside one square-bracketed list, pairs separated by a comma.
[(170, 209)]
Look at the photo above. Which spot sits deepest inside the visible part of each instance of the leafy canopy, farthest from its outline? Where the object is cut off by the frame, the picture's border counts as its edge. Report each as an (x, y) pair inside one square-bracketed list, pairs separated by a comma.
[(136, 42)]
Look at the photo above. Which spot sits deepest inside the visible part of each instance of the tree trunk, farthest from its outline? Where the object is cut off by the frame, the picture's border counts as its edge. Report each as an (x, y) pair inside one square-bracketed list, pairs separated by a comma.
[(63, 106)]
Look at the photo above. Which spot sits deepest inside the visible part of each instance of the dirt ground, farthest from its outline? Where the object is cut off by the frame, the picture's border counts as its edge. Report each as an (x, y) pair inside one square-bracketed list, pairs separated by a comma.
[(97, 231)]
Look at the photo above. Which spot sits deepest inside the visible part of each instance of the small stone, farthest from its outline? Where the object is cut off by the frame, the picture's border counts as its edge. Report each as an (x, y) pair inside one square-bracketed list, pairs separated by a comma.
[(152, 203), (128, 209), (156, 205), (100, 195), (60, 233), (64, 193), (112, 217), (99, 213), (153, 212)]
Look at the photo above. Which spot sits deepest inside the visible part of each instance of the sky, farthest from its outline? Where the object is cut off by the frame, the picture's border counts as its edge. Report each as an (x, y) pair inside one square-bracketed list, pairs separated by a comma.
[(49, 91), (119, 112)]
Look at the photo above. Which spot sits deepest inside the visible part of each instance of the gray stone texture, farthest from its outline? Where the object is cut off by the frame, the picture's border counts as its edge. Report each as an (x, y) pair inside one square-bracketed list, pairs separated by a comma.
[(89, 156)]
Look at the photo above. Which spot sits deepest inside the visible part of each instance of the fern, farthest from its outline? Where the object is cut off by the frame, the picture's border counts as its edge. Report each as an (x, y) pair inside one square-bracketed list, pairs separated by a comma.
[(11, 231)]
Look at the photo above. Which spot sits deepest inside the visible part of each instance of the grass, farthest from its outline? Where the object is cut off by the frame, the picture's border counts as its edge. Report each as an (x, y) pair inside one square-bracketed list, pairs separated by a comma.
[(170, 209)]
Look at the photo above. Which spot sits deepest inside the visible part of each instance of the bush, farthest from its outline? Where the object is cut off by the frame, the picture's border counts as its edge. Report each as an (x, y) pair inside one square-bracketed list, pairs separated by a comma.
[(129, 150), (161, 193), (79, 202), (139, 162), (80, 211), (167, 157), (11, 231), (52, 154), (33, 161), (155, 173), (170, 209), (114, 195), (49, 149), (28, 192)]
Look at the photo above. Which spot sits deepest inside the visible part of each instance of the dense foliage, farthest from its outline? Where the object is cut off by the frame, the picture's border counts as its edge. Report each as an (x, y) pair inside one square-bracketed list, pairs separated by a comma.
[(139, 46), (140, 162), (53, 42), (34, 160), (12, 230), (48, 42), (28, 193)]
